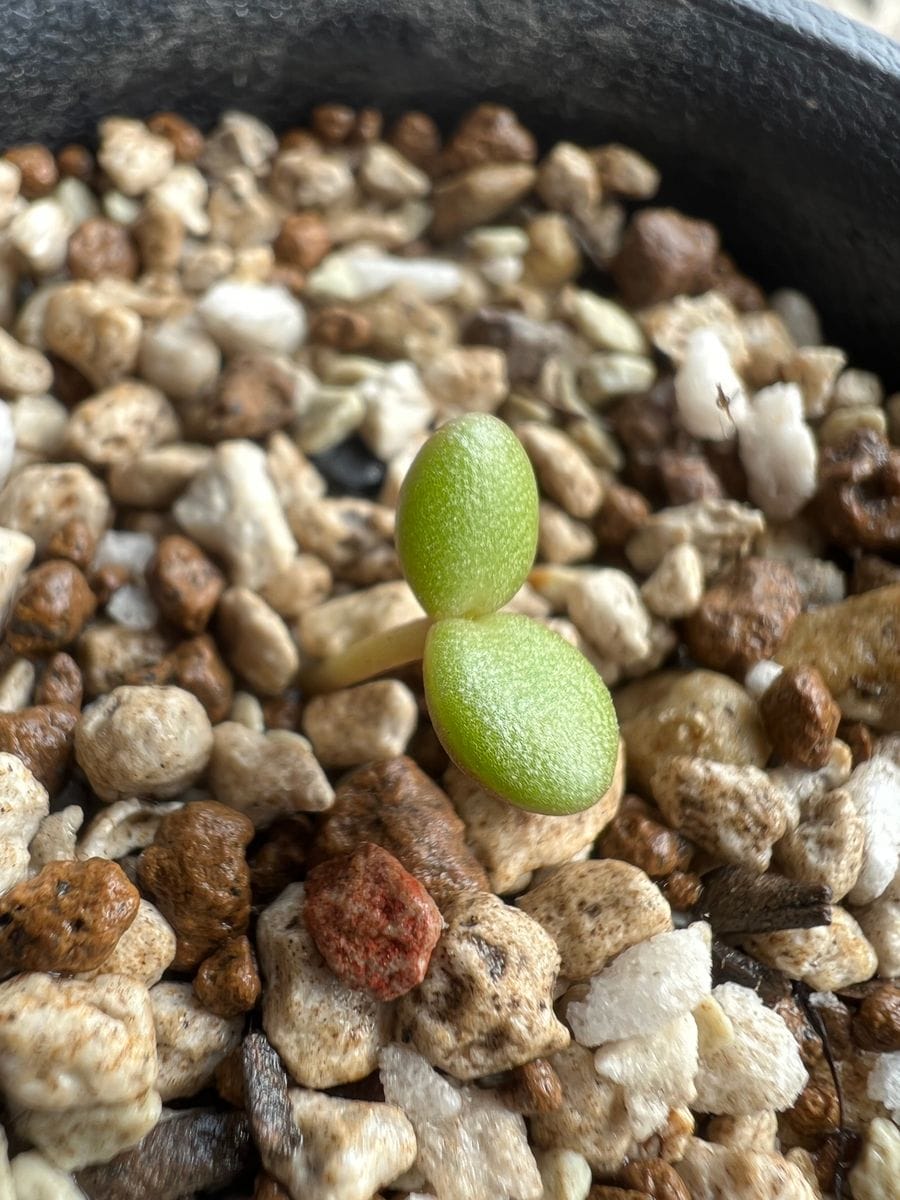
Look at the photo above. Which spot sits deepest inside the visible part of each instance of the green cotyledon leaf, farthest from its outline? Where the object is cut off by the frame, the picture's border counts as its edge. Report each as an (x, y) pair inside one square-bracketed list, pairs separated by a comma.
[(467, 518), (521, 711)]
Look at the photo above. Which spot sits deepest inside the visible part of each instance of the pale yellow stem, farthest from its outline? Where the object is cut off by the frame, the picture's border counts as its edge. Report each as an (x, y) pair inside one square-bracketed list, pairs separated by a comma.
[(372, 656)]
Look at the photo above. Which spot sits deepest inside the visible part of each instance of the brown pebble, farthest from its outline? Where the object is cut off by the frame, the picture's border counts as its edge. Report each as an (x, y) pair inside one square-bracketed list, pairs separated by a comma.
[(107, 579), (42, 737), (189, 1152), (394, 804), (69, 386), (743, 618), (198, 667), (688, 476), (682, 889), (489, 133), (38, 167), (283, 712), (876, 1025), (416, 136), (858, 501), (185, 584), (73, 541), (187, 140), (198, 877), (621, 514), (60, 682), (478, 196), (533, 1089), (253, 397), (635, 837), (816, 1110), (53, 607), (228, 983), (340, 328), (664, 254), (859, 738), (69, 917), (644, 430), (99, 248), (333, 123), (734, 285), (800, 717), (303, 240), (281, 858), (836, 1154), (230, 1078), (75, 162), (657, 1178), (298, 138)]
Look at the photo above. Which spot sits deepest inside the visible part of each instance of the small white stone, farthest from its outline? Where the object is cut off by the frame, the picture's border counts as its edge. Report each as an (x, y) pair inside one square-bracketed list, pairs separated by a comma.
[(232, 510), (347, 1150), (178, 356), (857, 389), (565, 1174), (884, 1083), (606, 324), (132, 607), (675, 588), (877, 1170), (144, 951), (873, 787), (656, 1072), (647, 986), (880, 922), (184, 192), (266, 775), (150, 741), (10, 179), (605, 377), (607, 608), (55, 839), (23, 370), (123, 548), (239, 140), (761, 676), (39, 424), (16, 553), (397, 409), (703, 379), (253, 318), (778, 451), (799, 315), (760, 1067), (80, 1137), (390, 177), (40, 233), (190, 1040), (65, 1043), (722, 531), (258, 644), (348, 276), (35, 1178), (354, 725), (134, 158), (119, 422), (23, 805), (470, 1145)]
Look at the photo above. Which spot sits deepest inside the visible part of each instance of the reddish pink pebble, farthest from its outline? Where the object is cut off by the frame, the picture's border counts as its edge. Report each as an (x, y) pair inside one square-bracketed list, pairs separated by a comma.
[(373, 923)]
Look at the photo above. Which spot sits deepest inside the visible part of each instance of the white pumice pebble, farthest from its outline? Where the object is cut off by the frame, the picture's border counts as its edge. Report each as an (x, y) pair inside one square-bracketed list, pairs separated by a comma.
[(253, 317), (397, 409), (347, 1148), (873, 787), (607, 608), (761, 676), (348, 276), (778, 450), (876, 1171), (16, 553), (645, 987), (134, 158), (675, 588), (23, 805), (470, 1146), (33, 1176), (884, 1083), (760, 1067), (190, 1040), (712, 402)]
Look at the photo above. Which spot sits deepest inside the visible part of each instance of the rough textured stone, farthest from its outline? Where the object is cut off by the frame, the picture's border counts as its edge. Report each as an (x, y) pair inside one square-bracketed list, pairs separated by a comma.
[(68, 918), (395, 805), (373, 923), (198, 876), (486, 1003)]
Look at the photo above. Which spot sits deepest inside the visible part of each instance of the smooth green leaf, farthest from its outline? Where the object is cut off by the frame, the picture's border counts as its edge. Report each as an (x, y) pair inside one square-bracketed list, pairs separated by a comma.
[(522, 711), (467, 518)]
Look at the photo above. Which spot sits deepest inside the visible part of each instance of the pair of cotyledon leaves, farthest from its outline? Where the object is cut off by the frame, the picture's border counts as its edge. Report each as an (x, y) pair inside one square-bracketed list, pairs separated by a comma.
[(513, 703)]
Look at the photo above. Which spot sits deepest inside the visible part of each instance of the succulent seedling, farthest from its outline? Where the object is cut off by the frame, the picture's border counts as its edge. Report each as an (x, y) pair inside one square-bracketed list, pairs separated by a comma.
[(514, 704)]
